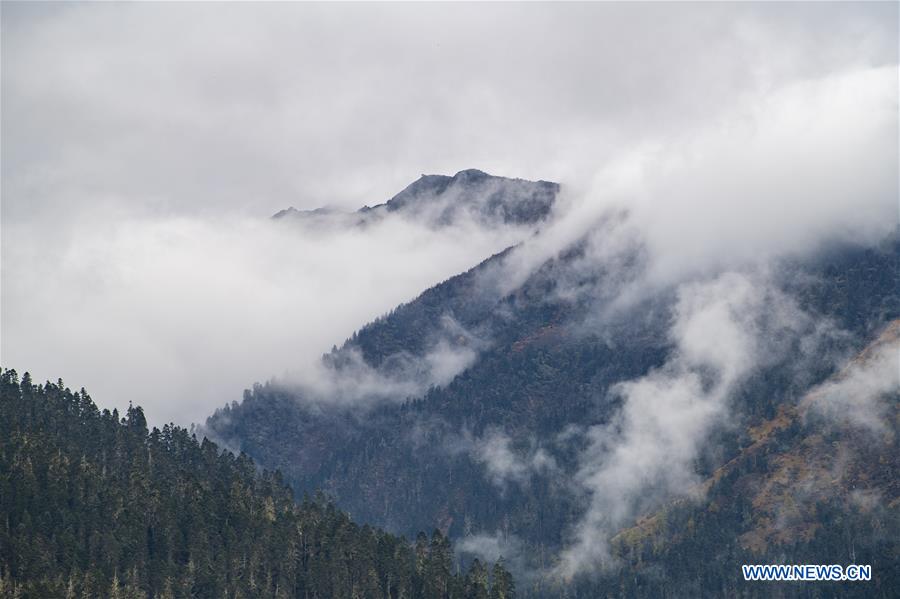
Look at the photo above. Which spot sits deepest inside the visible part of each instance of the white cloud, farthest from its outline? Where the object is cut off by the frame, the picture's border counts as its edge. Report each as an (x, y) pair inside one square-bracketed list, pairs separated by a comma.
[(781, 172), (180, 314), (861, 393), (504, 464), (492, 547), (645, 455), (346, 379)]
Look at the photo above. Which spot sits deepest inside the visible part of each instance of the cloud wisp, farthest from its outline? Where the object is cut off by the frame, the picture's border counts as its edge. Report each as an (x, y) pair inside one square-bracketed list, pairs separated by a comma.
[(504, 463), (646, 454), (862, 393)]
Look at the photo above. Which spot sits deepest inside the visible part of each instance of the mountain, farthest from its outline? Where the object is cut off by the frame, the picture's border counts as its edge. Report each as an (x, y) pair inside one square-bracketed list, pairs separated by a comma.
[(802, 486), (496, 454), (94, 505), (440, 201)]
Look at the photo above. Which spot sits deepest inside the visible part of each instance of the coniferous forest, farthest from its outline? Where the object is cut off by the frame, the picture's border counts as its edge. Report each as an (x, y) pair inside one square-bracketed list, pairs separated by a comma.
[(94, 504)]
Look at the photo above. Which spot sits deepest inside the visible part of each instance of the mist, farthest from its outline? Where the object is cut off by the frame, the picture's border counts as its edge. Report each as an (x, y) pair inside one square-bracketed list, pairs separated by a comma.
[(783, 173), (860, 395), (203, 308), (722, 329), (145, 147)]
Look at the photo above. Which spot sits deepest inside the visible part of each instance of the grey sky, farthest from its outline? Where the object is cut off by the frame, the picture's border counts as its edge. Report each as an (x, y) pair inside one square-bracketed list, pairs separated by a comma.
[(144, 144), (249, 107)]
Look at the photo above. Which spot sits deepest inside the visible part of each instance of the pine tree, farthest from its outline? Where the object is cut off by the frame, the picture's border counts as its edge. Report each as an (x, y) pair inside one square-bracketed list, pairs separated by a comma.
[(502, 585), (438, 566), (476, 583), (115, 589)]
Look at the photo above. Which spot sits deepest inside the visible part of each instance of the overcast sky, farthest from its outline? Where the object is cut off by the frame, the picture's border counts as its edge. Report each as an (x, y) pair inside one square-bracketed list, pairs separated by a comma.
[(246, 106), (143, 144)]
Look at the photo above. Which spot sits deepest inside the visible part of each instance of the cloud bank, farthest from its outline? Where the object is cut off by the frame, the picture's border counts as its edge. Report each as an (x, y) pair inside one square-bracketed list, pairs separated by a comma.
[(137, 173), (782, 172), (180, 314)]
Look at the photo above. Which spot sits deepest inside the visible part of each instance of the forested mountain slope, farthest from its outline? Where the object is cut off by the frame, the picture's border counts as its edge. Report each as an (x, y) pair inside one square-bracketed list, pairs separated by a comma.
[(493, 451), (805, 487), (94, 505)]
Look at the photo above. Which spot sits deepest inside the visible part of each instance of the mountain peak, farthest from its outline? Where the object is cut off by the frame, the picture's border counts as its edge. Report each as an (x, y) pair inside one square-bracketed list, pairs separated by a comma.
[(442, 200), (471, 173), (486, 198)]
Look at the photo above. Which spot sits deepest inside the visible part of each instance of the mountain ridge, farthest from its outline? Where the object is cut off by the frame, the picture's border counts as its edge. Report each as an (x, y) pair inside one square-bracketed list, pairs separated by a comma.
[(488, 199), (490, 453)]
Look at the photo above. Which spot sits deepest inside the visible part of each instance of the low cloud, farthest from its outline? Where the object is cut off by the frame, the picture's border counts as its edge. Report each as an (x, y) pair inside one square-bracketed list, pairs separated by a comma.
[(180, 314), (493, 547), (343, 378), (784, 171), (862, 394), (505, 464), (646, 454)]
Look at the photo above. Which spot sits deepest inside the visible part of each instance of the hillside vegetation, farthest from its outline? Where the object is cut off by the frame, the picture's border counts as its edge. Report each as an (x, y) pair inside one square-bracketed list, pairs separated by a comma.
[(96, 505), (412, 462)]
